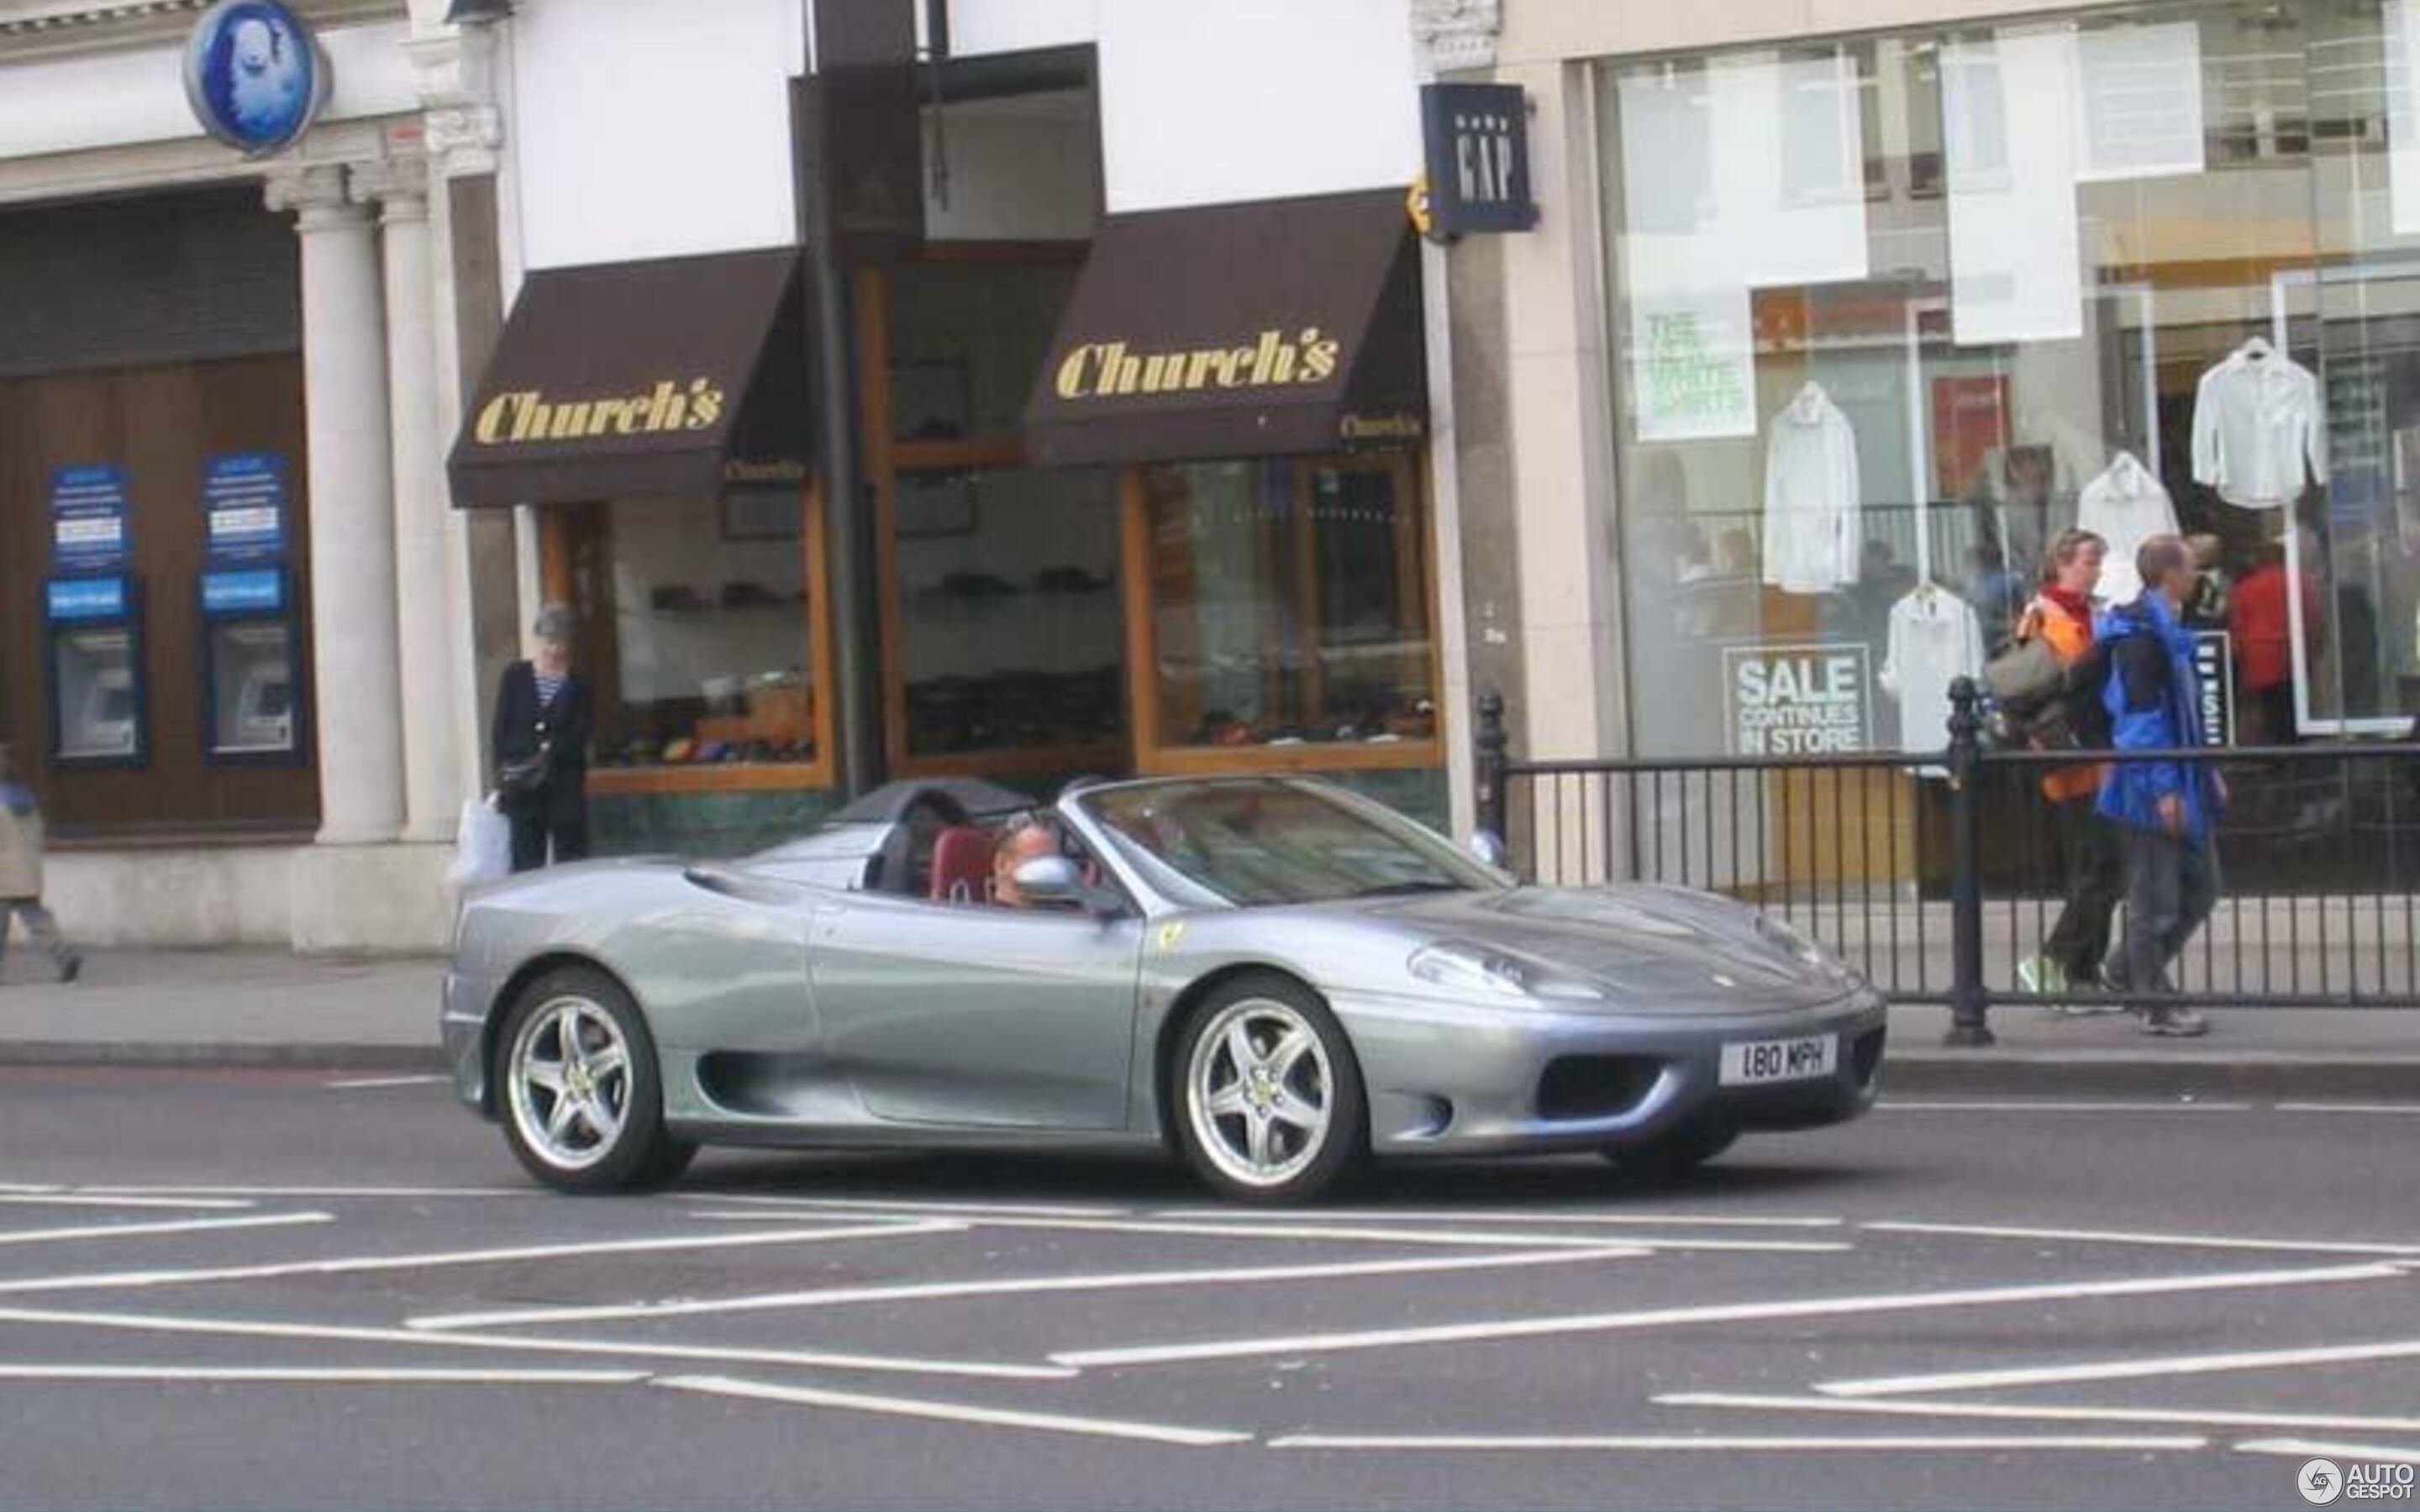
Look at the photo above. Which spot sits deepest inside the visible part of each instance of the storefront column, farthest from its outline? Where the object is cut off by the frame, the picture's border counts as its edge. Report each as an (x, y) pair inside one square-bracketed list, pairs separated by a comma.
[(1561, 437), (462, 132), (399, 188), (358, 706)]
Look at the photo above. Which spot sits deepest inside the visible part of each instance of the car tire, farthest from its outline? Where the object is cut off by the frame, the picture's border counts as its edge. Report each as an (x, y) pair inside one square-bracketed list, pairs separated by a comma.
[(1267, 1096), (1672, 1156), (579, 1087)]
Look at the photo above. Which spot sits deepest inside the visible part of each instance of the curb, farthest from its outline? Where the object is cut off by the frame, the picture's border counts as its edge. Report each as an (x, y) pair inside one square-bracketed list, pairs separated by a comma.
[(223, 1056), (2272, 1076)]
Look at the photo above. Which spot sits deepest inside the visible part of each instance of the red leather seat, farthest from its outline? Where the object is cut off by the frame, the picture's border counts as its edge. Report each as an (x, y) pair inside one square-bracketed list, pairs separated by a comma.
[(962, 866)]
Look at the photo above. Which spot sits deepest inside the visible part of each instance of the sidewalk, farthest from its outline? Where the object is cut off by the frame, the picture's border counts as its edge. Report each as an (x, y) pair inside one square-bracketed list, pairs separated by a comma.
[(239, 1008)]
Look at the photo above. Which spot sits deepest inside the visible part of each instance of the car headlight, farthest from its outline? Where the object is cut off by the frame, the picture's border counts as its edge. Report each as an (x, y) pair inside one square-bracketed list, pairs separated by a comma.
[(1781, 932), (1467, 968)]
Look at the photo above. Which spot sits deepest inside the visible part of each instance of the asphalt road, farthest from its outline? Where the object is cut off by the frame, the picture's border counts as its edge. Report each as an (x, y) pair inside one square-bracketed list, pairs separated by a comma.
[(278, 1289)]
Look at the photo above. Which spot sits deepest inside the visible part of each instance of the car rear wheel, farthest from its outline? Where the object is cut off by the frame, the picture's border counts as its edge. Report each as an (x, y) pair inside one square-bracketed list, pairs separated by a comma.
[(582, 1095), (1269, 1099), (1670, 1157)]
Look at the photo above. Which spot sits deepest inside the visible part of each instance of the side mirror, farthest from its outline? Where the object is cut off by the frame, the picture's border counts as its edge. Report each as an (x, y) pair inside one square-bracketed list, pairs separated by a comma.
[(1487, 850), (1051, 879)]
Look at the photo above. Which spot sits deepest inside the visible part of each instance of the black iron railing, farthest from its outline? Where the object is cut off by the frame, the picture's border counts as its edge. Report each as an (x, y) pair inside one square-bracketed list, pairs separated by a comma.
[(1940, 877)]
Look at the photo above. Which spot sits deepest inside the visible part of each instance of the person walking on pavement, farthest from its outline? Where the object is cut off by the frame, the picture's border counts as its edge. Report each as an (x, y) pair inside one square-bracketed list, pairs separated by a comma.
[(20, 876), (2076, 719), (543, 719), (2170, 809)]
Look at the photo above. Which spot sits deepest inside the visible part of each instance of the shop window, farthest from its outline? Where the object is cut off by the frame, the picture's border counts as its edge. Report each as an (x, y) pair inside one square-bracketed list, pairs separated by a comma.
[(2115, 287), (1007, 620), (702, 634), (965, 336), (1284, 606)]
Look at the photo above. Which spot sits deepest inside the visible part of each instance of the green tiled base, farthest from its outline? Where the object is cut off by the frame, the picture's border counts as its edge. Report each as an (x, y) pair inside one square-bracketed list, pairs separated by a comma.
[(735, 823)]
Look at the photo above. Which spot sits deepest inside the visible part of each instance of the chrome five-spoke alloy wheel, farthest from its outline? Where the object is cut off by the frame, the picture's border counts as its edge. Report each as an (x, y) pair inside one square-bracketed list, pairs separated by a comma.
[(1260, 1093), (570, 1083)]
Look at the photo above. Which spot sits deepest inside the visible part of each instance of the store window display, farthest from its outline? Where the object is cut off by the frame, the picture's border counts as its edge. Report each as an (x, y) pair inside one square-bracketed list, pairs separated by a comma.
[(1286, 604), (1009, 627), (2143, 269), (700, 631)]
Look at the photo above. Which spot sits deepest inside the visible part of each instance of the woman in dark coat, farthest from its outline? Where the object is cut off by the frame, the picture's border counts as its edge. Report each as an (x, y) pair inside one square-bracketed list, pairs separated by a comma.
[(544, 716)]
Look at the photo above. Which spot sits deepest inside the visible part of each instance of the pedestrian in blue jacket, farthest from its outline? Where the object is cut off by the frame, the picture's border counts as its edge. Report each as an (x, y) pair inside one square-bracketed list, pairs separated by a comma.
[(2169, 808)]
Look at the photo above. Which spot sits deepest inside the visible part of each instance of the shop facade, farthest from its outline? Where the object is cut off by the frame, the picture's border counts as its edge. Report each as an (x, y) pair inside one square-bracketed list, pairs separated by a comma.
[(1839, 314), (1111, 456)]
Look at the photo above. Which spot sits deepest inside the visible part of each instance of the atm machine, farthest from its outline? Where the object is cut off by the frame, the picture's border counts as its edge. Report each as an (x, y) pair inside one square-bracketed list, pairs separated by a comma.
[(252, 702), (93, 633)]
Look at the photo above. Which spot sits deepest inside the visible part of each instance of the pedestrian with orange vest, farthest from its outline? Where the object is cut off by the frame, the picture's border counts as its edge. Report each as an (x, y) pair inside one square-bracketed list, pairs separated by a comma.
[(2095, 849)]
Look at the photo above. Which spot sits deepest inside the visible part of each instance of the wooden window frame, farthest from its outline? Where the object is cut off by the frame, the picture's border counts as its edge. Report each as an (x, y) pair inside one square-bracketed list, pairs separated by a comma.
[(1154, 757), (555, 574)]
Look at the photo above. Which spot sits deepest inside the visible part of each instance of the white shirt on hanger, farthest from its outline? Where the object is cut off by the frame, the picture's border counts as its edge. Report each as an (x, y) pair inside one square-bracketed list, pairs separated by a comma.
[(1934, 639), (1810, 497), (2256, 420), (2125, 506)]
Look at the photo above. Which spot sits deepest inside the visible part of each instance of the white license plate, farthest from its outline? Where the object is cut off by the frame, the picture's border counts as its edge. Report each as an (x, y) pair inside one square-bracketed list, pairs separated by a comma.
[(1754, 1062)]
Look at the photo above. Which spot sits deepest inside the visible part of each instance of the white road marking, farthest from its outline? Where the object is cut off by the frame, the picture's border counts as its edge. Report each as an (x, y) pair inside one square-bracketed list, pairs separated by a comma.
[(316, 1193), (1667, 1442), (2011, 1410), (938, 1290), (2052, 1106), (121, 1280), (1030, 1210), (1388, 1236), (313, 1375), (2393, 1454), (24, 1188), (2348, 1108), (72, 1199), (2100, 1236), (178, 1226), (364, 1083), (244, 1328), (2134, 1369), (955, 1411), (1671, 1220), (1264, 1229), (1723, 1313)]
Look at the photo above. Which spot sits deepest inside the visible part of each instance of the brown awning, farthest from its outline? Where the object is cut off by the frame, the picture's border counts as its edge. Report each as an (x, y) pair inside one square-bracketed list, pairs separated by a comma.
[(1238, 331), (629, 380)]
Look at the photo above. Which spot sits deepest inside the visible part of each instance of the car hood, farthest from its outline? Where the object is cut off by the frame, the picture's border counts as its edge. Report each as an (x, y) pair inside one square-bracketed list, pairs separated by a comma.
[(1646, 946)]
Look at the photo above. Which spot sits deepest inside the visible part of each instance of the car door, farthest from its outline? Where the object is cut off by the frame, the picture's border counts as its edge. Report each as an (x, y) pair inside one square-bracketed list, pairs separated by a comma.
[(975, 1015)]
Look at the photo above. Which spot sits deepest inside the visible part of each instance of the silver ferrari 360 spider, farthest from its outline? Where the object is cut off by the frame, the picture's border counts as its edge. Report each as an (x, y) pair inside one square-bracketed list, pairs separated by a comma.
[(1273, 976)]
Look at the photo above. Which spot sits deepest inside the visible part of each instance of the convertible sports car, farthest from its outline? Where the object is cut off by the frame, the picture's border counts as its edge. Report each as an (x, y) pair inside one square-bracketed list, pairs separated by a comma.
[(1273, 976)]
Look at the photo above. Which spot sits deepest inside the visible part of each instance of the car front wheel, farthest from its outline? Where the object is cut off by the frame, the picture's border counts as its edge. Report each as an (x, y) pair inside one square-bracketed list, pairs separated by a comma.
[(583, 1096), (1269, 1099)]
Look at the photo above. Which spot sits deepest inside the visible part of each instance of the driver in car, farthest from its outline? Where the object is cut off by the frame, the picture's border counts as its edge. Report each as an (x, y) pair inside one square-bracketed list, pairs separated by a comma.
[(1027, 839)]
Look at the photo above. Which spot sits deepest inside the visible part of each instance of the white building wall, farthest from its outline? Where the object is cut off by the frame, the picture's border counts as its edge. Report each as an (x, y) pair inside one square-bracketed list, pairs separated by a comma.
[(1203, 104), (111, 99), (634, 138), (638, 132)]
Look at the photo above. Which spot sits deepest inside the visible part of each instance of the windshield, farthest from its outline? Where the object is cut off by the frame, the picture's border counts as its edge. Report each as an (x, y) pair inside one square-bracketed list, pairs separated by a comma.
[(1255, 843)]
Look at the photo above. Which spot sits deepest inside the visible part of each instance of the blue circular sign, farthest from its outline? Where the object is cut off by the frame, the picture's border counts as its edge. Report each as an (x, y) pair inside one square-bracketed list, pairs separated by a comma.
[(255, 75)]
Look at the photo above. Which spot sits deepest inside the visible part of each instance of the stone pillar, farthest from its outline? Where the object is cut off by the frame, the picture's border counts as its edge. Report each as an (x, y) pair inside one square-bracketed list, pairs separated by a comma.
[(459, 69), (398, 187), (358, 707)]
